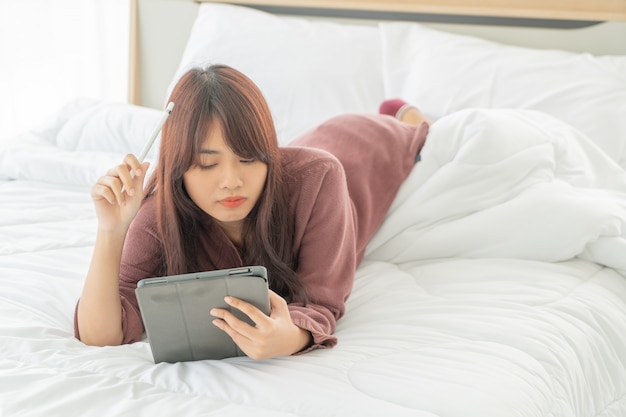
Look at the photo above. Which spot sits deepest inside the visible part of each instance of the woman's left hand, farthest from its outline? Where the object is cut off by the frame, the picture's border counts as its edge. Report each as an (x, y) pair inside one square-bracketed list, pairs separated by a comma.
[(272, 336)]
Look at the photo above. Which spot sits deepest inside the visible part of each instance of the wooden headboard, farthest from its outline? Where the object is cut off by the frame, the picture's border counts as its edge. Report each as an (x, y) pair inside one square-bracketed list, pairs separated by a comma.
[(599, 10), (160, 28)]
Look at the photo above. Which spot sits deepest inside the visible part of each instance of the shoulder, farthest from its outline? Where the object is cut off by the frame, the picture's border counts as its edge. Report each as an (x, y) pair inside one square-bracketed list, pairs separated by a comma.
[(311, 170), (301, 160), (309, 173)]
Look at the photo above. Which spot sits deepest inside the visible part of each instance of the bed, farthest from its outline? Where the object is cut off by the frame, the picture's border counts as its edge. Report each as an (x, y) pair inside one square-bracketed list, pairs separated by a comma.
[(496, 285)]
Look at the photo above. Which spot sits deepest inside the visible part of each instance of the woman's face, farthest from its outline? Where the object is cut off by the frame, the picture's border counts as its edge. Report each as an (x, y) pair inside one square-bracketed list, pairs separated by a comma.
[(224, 185)]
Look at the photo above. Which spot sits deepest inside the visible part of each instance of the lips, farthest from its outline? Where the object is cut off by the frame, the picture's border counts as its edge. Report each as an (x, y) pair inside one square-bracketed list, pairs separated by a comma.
[(232, 202)]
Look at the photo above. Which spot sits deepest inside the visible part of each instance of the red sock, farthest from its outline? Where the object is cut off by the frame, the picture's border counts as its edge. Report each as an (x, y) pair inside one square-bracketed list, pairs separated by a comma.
[(391, 106)]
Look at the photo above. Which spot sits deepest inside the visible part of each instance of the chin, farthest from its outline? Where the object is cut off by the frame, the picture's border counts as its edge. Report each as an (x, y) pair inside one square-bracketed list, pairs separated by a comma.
[(238, 216)]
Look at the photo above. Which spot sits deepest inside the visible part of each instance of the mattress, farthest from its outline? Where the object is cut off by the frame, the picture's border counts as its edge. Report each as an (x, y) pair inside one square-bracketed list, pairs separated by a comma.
[(496, 286)]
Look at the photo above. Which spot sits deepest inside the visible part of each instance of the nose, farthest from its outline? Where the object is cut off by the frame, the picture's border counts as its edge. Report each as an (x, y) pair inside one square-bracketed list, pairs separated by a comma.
[(230, 178)]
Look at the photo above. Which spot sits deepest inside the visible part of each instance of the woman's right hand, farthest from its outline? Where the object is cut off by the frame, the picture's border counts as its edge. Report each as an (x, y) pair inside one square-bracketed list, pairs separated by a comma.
[(117, 195)]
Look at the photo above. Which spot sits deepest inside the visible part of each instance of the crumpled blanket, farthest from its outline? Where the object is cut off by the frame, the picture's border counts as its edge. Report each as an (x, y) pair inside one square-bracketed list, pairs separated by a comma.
[(507, 184)]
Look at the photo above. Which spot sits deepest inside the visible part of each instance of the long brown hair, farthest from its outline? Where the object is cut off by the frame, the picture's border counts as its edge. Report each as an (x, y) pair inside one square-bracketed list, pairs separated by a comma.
[(205, 98)]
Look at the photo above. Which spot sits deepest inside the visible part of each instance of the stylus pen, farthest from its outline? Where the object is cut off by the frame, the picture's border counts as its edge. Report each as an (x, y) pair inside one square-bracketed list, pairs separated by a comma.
[(156, 131)]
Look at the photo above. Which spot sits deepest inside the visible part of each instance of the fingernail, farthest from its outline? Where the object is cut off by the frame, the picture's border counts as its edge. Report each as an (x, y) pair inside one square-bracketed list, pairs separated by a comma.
[(138, 172), (228, 299)]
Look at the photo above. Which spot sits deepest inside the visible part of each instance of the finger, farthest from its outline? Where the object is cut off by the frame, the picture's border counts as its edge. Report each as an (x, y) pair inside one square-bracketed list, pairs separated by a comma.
[(129, 170), (232, 325), (140, 175), (243, 342), (256, 315), (100, 191), (126, 175), (114, 183), (279, 308), (134, 165), (237, 337), (278, 305), (110, 187)]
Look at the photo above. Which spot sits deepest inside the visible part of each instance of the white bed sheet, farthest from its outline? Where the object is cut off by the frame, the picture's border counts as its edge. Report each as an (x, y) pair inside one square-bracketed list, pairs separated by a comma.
[(481, 295)]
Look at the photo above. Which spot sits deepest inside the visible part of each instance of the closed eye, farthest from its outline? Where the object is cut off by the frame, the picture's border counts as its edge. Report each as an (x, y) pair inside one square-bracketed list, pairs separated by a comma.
[(247, 161), (205, 167)]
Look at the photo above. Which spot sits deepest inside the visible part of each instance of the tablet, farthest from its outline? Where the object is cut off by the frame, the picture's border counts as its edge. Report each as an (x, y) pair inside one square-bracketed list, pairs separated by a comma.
[(176, 311)]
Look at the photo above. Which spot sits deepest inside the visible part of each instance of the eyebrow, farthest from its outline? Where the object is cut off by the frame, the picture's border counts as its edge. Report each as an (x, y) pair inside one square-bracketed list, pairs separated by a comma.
[(209, 152)]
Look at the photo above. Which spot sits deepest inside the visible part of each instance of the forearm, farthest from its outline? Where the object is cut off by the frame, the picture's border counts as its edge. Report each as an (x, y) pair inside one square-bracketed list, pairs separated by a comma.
[(99, 314)]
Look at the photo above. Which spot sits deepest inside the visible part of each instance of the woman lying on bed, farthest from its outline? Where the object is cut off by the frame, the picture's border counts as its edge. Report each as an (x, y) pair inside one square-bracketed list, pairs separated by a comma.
[(224, 195)]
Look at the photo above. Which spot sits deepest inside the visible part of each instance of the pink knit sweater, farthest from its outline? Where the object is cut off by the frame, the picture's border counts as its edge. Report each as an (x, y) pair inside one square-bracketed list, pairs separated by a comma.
[(341, 178)]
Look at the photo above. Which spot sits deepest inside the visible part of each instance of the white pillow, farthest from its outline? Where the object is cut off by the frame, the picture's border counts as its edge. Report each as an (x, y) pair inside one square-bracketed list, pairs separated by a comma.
[(442, 72), (307, 70), (109, 127)]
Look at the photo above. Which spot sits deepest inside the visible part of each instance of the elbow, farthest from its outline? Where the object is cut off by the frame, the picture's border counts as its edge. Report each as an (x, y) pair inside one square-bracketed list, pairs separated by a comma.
[(102, 340), (95, 335), (93, 331), (100, 337)]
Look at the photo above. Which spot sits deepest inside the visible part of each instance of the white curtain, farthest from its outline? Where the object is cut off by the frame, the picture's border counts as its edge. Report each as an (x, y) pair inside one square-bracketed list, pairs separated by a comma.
[(53, 51)]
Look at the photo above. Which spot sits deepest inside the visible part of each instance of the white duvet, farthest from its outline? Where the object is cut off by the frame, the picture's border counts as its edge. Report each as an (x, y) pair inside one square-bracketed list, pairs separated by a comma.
[(495, 287)]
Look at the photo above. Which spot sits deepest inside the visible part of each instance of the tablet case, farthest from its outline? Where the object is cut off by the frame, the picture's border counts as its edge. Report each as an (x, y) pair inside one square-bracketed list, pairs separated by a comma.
[(175, 311)]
